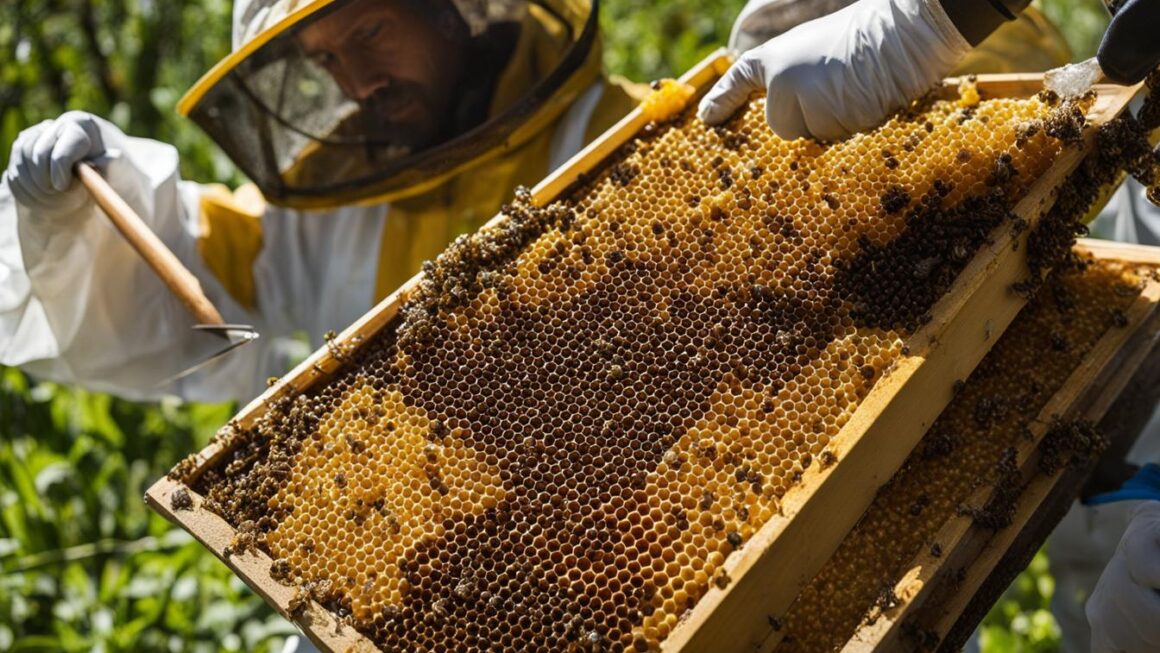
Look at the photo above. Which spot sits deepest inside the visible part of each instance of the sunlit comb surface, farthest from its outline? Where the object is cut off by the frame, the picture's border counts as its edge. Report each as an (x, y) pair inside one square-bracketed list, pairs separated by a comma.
[(972, 443), (582, 412)]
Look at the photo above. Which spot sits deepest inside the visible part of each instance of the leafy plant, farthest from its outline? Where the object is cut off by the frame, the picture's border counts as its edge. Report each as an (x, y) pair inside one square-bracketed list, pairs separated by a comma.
[(84, 564), (127, 61), (1021, 621), (649, 40), (1082, 22)]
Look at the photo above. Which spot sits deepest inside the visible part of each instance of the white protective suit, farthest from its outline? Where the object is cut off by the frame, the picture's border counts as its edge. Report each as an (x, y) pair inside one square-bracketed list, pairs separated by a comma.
[(78, 305), (1083, 543)]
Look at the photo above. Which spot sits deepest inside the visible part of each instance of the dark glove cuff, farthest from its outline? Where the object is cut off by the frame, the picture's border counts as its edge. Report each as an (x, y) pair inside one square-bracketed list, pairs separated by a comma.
[(976, 19), (1131, 48)]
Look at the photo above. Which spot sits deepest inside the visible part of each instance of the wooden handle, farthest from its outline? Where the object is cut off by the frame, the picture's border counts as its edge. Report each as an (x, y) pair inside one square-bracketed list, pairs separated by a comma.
[(167, 266)]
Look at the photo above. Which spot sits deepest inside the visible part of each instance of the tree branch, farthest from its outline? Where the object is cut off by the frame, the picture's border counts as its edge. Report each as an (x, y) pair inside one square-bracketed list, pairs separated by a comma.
[(98, 60)]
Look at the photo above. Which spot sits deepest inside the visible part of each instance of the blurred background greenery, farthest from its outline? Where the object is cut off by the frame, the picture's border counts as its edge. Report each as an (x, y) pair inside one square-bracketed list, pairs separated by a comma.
[(84, 565)]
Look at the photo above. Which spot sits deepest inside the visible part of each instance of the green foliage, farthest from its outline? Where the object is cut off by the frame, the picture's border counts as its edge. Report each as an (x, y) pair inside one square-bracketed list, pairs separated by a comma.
[(126, 61), (1081, 21), (648, 40), (1021, 622), (84, 565)]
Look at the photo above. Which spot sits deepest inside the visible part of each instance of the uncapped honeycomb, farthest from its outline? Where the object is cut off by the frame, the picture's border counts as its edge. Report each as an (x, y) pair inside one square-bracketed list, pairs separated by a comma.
[(668, 98), (581, 413), (971, 444)]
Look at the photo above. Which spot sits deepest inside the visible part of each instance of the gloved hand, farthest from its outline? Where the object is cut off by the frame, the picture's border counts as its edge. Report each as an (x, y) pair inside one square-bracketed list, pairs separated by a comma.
[(843, 72), (40, 170), (1130, 49), (1124, 608)]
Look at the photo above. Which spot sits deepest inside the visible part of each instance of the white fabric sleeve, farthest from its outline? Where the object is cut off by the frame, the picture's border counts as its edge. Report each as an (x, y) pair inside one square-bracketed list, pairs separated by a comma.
[(79, 305)]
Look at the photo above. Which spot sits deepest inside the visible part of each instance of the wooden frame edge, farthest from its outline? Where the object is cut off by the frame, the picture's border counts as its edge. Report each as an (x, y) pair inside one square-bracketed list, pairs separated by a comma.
[(253, 567), (1053, 495), (960, 539)]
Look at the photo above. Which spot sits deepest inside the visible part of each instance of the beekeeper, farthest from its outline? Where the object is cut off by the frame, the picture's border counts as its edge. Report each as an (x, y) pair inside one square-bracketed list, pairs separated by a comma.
[(846, 72), (374, 132)]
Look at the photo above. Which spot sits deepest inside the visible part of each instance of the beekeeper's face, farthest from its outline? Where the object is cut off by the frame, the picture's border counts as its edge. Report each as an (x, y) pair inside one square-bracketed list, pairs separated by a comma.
[(400, 59)]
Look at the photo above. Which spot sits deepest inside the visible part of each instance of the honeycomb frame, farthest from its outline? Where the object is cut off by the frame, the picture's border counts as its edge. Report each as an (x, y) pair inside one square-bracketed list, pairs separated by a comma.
[(972, 561), (1120, 401), (964, 324)]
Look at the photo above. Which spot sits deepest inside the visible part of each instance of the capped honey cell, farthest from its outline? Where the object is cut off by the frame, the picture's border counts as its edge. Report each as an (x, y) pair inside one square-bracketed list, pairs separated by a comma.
[(582, 411)]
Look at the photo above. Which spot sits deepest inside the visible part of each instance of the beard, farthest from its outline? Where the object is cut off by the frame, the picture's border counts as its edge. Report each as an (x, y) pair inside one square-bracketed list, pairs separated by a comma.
[(402, 116)]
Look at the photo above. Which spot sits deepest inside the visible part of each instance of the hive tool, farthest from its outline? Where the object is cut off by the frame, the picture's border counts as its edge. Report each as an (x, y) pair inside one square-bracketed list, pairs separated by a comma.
[(167, 266)]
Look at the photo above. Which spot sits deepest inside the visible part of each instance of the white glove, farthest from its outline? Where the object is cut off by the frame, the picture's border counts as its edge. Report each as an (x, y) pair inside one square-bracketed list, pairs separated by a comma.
[(844, 72), (40, 171), (1124, 608)]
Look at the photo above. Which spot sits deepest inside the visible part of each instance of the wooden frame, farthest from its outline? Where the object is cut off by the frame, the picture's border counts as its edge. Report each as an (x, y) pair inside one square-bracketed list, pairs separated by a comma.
[(818, 511), (1122, 421), (936, 595), (816, 514)]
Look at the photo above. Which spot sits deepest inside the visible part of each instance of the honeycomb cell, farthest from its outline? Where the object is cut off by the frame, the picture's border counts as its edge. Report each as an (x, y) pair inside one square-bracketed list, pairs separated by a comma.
[(964, 449), (584, 410)]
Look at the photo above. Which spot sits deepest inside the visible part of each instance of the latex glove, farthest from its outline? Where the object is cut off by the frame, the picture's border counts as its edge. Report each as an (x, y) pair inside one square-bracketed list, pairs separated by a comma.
[(1124, 608), (844, 72), (40, 170)]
